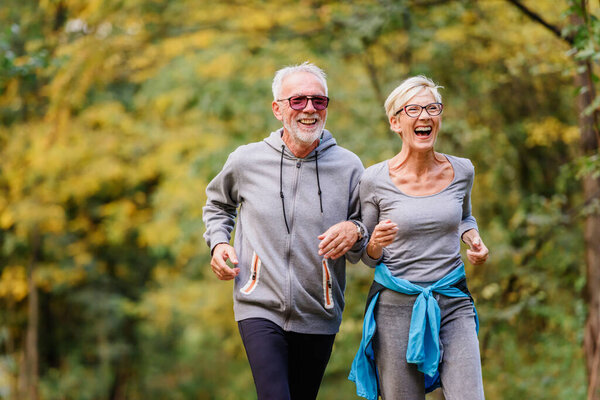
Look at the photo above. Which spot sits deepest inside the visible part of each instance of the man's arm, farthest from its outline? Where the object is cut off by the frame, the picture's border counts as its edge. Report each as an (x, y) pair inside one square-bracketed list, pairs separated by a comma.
[(219, 213), (338, 240), (221, 253), (344, 238)]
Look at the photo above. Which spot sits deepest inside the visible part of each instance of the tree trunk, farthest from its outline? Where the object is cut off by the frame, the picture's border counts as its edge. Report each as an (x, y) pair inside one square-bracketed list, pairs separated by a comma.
[(31, 368), (592, 326), (591, 192)]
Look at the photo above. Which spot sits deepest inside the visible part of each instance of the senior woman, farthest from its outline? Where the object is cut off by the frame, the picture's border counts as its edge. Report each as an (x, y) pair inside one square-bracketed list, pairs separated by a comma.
[(420, 328)]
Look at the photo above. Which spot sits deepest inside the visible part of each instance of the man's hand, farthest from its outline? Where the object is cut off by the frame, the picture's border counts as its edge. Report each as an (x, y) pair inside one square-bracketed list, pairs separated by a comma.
[(338, 239), (477, 253), (221, 253)]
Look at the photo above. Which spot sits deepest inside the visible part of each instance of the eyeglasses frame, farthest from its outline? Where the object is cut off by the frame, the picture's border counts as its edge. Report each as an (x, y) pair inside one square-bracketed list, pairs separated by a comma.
[(308, 98), (422, 108)]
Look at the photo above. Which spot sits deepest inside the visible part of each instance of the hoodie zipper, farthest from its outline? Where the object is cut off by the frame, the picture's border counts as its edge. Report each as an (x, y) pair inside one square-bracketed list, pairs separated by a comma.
[(298, 165)]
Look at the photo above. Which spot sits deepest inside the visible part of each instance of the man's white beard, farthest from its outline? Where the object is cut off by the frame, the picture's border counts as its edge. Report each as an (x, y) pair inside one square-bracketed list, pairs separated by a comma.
[(306, 137)]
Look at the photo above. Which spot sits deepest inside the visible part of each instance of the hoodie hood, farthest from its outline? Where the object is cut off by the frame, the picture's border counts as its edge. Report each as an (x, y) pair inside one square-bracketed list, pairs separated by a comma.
[(275, 141)]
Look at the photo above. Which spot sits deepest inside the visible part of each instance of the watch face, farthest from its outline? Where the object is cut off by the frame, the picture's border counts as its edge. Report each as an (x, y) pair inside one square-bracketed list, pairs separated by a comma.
[(361, 231)]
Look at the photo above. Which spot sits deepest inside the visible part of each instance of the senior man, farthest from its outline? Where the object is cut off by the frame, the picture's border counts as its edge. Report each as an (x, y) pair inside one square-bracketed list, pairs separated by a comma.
[(295, 197)]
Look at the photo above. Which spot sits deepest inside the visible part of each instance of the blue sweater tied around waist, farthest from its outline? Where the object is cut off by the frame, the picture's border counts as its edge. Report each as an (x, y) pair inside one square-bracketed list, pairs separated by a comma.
[(424, 335)]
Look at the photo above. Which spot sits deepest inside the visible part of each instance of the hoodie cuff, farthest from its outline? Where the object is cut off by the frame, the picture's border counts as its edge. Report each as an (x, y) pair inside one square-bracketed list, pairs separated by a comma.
[(369, 261), (217, 239), (360, 244)]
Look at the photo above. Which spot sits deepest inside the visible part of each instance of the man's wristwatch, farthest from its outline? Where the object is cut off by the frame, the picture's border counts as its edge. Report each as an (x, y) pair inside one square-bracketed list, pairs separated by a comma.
[(359, 229)]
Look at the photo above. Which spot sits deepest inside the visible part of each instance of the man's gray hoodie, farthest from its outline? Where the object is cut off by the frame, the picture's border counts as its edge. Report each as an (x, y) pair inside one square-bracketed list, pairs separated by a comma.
[(284, 204)]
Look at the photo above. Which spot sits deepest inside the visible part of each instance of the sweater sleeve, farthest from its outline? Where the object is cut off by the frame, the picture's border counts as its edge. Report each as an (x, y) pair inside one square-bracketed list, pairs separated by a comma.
[(369, 213), (222, 200), (354, 214), (468, 221)]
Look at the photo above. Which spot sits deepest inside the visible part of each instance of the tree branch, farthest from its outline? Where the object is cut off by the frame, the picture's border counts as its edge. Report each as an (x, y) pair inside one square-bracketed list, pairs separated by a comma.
[(537, 18), (570, 216), (429, 3)]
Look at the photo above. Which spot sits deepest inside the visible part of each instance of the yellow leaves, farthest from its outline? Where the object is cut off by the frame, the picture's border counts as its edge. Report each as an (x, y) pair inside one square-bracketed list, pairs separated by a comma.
[(13, 282), (503, 39), (48, 276), (451, 34), (160, 233), (173, 47), (220, 67), (490, 290), (163, 274), (172, 100), (174, 298), (549, 131), (176, 301), (120, 218), (72, 82), (152, 57), (109, 115), (6, 219), (87, 61), (10, 96), (252, 19), (28, 215), (144, 65), (92, 8), (176, 198)]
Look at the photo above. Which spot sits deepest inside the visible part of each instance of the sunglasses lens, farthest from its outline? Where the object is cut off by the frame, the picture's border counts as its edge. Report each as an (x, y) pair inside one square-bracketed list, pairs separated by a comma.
[(298, 102), (320, 102)]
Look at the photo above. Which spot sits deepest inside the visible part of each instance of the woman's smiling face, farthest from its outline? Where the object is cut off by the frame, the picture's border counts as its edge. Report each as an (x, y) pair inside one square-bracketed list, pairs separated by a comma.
[(418, 133)]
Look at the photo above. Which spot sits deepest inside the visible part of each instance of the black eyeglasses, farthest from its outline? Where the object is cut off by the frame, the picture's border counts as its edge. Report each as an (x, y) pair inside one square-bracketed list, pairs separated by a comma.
[(415, 110), (299, 103)]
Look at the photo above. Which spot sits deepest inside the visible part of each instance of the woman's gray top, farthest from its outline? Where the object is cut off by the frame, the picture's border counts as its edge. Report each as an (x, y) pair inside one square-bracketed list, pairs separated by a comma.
[(427, 245)]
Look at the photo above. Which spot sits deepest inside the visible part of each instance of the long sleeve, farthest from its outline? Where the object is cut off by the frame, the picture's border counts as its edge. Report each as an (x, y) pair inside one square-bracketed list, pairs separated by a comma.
[(222, 200), (468, 222), (354, 214), (369, 214)]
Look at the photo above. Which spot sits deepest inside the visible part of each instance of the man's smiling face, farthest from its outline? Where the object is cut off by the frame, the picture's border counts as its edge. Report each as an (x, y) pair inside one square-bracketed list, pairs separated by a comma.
[(303, 125)]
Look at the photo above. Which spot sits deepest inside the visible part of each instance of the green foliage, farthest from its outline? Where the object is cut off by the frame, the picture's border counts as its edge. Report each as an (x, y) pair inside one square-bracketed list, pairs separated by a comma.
[(115, 115)]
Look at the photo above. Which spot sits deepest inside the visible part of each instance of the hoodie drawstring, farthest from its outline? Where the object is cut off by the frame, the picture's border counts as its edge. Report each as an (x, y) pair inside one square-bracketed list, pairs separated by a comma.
[(281, 186), (281, 189), (318, 183)]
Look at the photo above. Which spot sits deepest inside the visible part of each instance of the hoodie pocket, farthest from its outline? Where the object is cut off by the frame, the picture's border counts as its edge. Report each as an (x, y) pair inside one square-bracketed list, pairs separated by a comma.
[(327, 286), (254, 275)]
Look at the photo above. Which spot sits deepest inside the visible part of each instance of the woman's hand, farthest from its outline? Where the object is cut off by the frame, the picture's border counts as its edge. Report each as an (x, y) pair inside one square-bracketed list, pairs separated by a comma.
[(478, 252), (383, 235)]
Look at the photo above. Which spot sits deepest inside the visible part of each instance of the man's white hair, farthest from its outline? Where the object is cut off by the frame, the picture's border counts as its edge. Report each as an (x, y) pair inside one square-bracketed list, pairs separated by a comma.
[(292, 69), (408, 89)]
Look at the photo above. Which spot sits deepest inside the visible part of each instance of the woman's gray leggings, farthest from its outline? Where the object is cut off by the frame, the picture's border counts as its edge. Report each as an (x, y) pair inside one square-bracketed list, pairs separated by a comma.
[(460, 366)]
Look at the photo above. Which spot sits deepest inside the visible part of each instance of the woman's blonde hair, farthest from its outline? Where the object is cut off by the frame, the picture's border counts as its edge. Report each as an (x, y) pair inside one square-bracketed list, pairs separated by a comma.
[(408, 89)]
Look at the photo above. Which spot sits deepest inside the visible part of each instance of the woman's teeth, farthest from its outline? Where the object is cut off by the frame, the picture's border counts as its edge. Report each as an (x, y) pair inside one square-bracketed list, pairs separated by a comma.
[(423, 131)]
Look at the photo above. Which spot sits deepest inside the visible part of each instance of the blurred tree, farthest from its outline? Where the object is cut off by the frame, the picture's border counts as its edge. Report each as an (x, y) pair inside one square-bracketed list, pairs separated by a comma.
[(114, 115), (583, 35)]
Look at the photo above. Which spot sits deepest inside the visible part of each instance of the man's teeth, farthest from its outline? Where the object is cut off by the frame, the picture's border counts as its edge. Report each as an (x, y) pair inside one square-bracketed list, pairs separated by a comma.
[(423, 131), (308, 121)]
